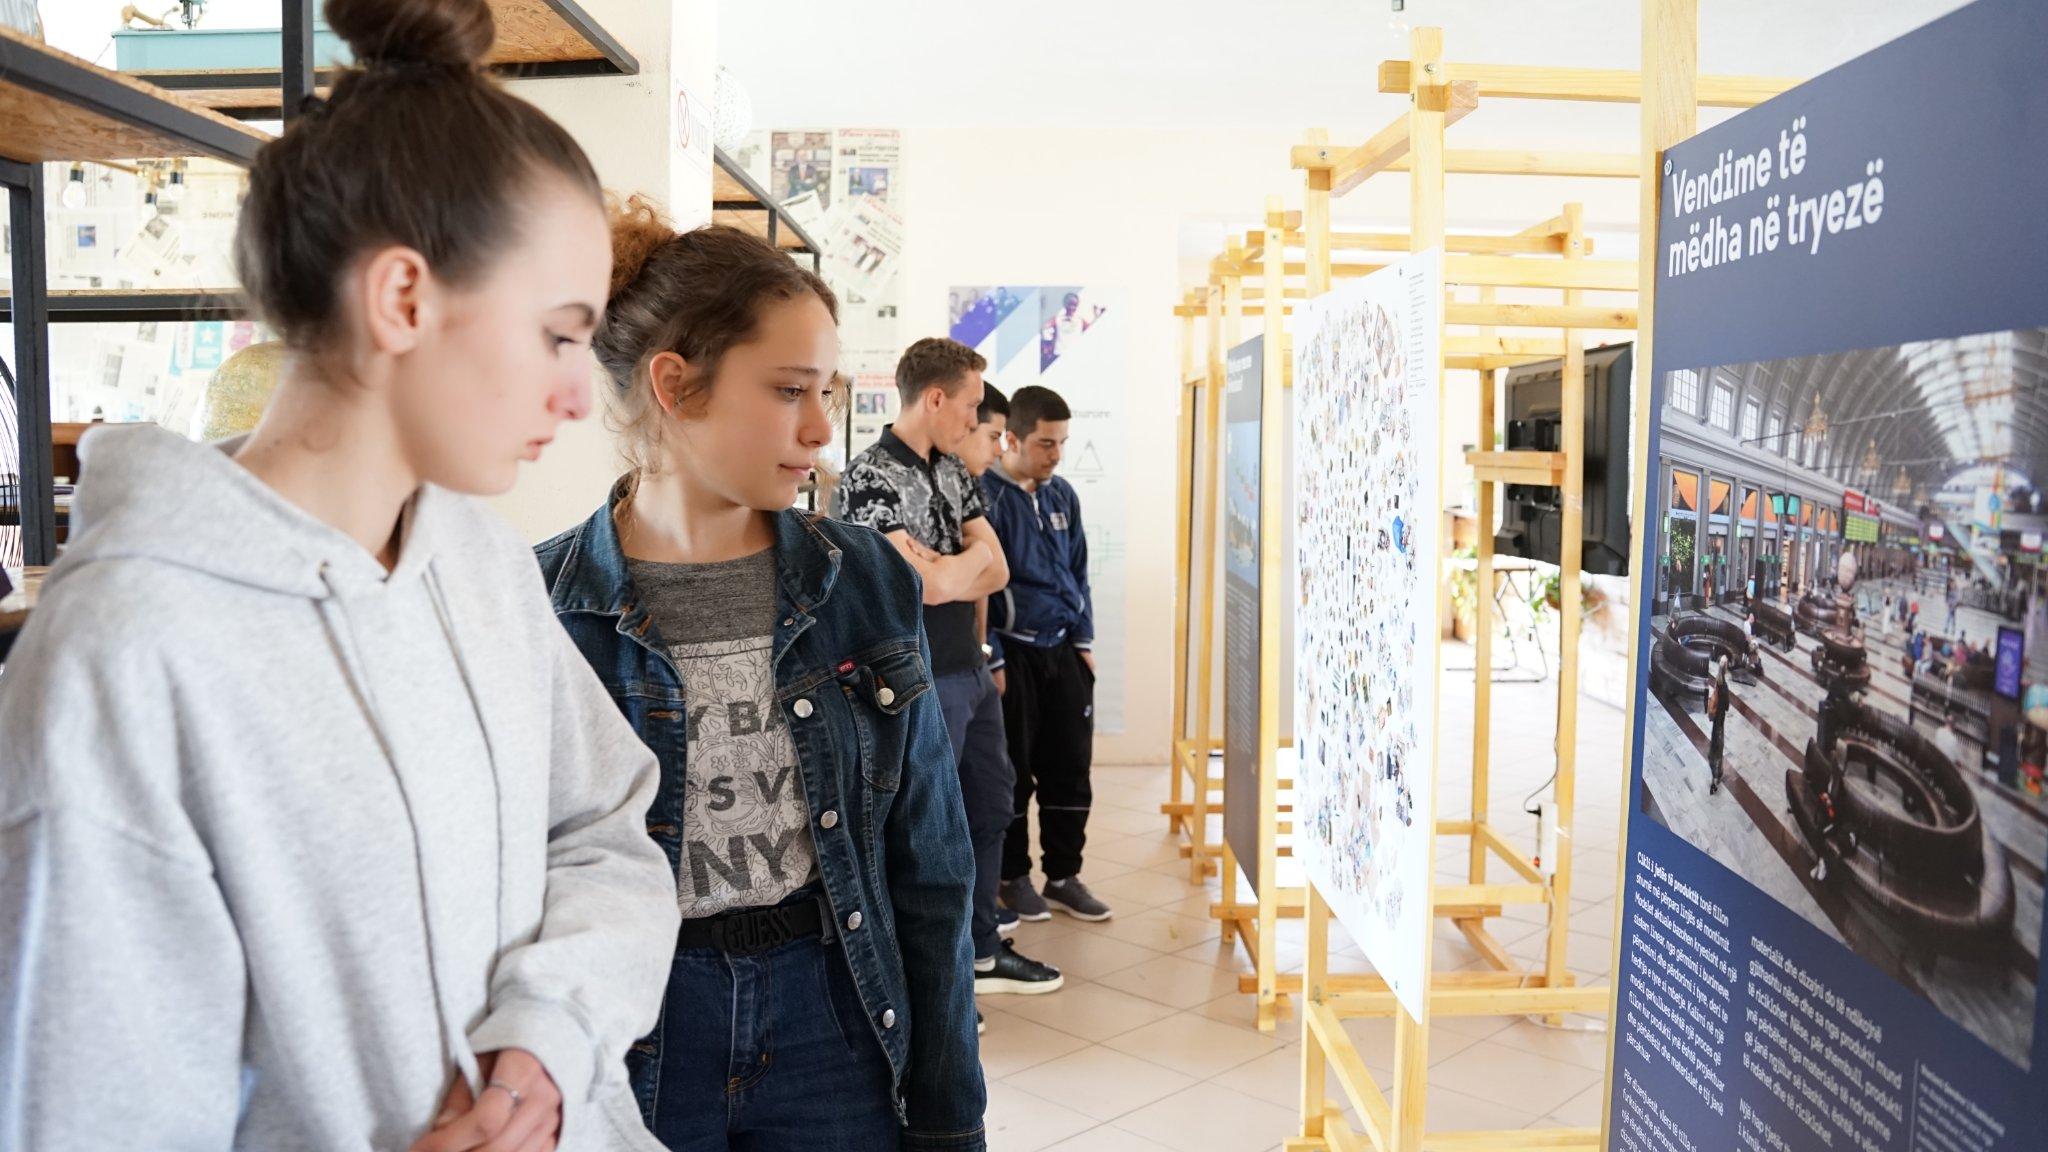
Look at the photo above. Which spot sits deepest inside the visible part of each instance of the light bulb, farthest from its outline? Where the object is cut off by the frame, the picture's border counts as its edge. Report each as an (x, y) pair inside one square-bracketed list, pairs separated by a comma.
[(732, 112), (73, 195)]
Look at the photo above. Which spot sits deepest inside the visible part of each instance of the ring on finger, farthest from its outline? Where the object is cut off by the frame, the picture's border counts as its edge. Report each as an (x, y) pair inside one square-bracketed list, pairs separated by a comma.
[(518, 1097)]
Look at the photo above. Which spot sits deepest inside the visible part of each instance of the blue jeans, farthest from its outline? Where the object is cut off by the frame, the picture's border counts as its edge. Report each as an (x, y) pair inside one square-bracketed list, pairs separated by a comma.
[(988, 784), (771, 1053)]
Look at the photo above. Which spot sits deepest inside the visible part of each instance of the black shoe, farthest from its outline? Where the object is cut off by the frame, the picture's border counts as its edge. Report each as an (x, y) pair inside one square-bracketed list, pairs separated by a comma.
[(1007, 921), (1072, 897), (1019, 897), (1016, 974), (980, 1024)]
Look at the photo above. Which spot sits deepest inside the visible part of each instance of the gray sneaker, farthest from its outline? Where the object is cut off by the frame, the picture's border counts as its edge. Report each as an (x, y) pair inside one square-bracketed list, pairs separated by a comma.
[(1020, 897), (1072, 897)]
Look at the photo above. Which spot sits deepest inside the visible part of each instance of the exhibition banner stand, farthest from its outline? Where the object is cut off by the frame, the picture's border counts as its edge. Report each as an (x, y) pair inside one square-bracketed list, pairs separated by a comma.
[(1831, 926), (1442, 93)]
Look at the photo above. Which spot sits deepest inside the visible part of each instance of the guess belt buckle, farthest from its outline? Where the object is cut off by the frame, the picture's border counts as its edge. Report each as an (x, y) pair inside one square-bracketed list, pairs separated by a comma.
[(755, 931)]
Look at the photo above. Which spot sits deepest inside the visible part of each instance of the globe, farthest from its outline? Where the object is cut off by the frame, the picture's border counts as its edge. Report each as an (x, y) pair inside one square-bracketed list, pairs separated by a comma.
[(240, 389)]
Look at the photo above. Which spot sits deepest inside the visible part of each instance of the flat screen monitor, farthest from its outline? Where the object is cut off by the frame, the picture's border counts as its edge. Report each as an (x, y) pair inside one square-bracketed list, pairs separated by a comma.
[(1532, 517)]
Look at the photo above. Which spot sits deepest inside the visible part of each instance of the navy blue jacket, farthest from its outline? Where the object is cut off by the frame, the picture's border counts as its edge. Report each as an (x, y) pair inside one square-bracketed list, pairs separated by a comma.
[(852, 676), (1047, 603)]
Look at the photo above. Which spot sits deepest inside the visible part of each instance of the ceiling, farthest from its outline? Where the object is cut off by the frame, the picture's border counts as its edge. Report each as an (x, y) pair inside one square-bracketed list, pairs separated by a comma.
[(1229, 63), (1927, 410)]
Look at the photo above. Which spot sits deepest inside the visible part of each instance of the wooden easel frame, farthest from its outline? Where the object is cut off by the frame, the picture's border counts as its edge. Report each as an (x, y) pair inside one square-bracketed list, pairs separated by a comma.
[(1668, 89)]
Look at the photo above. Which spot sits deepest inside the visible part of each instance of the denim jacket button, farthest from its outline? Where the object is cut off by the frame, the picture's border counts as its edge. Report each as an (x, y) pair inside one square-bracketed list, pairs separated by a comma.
[(888, 1017), (829, 820), (802, 709), (884, 697), (853, 922)]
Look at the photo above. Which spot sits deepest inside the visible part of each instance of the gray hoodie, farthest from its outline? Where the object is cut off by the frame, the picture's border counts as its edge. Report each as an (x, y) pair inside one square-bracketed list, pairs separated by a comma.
[(285, 840)]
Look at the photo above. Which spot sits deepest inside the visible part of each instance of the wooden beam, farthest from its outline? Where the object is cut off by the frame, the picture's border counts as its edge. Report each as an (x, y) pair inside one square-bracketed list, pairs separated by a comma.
[(1539, 346), (1498, 162), (1510, 272), (1509, 855), (1543, 469), (1474, 245), (1492, 894), (1349, 168), (1327, 1033), (1488, 948), (1511, 999), (1593, 85), (1504, 162), (1489, 363), (1670, 114), (1553, 227), (1255, 269), (1541, 316)]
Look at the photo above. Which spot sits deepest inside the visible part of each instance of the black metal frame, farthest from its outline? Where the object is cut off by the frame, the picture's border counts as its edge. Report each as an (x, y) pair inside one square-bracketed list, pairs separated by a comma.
[(38, 507), (296, 79), (778, 219), (55, 75), (31, 308), (134, 307)]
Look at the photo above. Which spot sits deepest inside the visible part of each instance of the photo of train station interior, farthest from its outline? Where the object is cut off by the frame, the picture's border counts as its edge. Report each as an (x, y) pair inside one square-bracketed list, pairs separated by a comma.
[(1850, 650)]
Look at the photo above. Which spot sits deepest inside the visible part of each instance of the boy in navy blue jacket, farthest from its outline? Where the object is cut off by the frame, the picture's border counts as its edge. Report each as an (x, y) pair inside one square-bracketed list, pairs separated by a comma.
[(1043, 625)]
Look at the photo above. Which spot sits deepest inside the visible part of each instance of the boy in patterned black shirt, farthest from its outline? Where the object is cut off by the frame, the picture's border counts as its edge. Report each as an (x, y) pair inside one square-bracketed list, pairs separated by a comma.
[(911, 489)]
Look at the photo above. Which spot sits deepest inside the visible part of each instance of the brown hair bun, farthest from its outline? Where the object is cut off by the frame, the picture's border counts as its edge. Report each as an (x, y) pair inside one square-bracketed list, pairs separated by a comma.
[(441, 33)]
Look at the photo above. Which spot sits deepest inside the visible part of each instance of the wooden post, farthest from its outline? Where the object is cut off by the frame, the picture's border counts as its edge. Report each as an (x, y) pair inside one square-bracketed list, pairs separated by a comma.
[(1671, 31), (1272, 503), (1205, 599), (1482, 631), (1315, 221), (1429, 95), (1228, 909), (1315, 971), (1184, 526), (1571, 547)]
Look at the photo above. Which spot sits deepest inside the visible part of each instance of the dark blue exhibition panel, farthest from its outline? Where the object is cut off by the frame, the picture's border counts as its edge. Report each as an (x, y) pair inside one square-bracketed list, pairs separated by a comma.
[(1244, 400), (1832, 930)]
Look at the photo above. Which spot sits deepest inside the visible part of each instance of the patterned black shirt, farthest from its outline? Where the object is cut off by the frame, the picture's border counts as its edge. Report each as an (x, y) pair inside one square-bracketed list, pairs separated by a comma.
[(933, 499)]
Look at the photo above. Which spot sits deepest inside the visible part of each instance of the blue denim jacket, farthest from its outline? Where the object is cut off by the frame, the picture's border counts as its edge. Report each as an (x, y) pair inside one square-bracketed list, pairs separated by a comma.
[(851, 673)]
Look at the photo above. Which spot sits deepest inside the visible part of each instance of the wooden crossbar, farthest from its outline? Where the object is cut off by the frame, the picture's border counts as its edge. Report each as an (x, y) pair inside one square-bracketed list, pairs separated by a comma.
[(1540, 316), (1496, 162), (1511, 272), (1592, 85), (1351, 167)]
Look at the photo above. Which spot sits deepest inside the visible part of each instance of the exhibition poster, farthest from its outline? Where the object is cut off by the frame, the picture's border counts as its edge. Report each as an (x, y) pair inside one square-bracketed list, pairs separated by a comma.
[(845, 187), (1367, 487), (1244, 401), (1070, 339), (1831, 902), (1243, 398)]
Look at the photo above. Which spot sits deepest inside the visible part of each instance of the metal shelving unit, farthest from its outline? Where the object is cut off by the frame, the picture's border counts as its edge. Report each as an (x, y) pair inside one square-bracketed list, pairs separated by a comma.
[(737, 199), (56, 107), (537, 39)]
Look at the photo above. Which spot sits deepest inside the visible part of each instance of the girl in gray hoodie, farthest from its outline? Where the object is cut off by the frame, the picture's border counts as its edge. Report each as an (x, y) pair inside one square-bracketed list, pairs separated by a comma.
[(316, 833)]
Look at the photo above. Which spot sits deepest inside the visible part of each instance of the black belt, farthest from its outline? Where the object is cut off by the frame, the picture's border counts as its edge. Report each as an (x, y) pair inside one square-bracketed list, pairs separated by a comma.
[(751, 930)]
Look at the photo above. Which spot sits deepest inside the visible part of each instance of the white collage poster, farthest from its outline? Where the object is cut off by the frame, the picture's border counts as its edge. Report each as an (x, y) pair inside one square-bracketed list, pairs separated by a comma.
[(1367, 479), (844, 186), (1070, 339)]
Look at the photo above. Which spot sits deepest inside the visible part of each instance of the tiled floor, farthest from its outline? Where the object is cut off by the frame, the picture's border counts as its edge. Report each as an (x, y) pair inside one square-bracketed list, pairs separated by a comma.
[(1150, 1046)]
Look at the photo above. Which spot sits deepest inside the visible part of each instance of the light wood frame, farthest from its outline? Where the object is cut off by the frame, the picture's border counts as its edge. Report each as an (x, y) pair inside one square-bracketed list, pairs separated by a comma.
[(1393, 1122)]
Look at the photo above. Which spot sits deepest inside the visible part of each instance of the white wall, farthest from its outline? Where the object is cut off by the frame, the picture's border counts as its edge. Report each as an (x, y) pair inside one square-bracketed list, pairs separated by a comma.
[(627, 126)]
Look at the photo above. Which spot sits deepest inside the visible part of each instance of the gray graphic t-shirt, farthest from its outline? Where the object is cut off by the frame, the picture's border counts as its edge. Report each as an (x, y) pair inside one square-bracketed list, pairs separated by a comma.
[(746, 826)]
